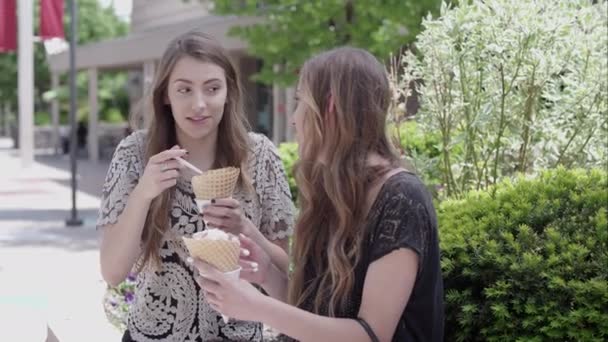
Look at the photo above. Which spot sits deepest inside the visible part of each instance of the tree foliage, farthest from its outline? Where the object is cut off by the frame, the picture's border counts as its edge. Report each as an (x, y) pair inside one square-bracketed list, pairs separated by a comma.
[(291, 30), (512, 86)]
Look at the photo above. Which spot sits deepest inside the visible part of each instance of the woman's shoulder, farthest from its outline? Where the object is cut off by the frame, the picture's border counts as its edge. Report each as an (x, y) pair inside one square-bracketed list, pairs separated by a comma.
[(406, 186), (136, 138), (133, 145), (258, 143)]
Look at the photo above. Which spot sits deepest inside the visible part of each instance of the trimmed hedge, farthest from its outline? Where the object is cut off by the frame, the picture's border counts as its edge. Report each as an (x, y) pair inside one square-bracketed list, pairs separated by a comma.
[(528, 261)]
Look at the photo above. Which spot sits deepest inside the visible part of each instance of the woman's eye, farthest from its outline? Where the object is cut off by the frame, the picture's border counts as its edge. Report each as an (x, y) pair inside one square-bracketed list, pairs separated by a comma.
[(212, 90), (183, 90)]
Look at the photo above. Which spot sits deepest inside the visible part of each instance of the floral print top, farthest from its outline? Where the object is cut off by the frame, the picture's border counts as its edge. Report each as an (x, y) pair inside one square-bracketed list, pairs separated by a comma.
[(169, 305)]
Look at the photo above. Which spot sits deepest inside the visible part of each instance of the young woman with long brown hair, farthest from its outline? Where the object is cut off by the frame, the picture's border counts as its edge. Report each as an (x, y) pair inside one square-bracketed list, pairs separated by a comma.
[(148, 203), (365, 250)]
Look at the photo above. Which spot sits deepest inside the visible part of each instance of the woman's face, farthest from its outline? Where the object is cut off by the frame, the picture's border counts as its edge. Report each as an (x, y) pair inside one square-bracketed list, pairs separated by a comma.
[(197, 93)]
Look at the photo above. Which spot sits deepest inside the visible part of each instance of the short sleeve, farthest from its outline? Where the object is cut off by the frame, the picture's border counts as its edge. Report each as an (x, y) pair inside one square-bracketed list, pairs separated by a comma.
[(277, 209), (403, 221), (123, 174)]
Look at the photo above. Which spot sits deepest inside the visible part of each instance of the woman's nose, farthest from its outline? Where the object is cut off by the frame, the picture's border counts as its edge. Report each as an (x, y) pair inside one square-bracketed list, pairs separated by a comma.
[(199, 102)]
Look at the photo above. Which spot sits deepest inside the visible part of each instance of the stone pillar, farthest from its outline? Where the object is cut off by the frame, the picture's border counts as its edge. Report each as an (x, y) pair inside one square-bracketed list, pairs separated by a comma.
[(290, 106), (93, 136), (25, 12), (278, 114), (56, 138), (148, 78)]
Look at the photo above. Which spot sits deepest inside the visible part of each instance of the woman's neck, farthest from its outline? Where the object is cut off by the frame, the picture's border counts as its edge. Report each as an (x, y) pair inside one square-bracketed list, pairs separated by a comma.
[(201, 152)]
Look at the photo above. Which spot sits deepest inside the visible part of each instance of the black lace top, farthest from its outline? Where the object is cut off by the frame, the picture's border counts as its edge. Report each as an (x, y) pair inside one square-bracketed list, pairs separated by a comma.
[(403, 216)]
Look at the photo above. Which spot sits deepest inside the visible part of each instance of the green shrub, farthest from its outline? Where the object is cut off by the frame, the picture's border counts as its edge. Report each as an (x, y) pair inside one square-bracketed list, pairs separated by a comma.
[(113, 115), (42, 119), (422, 150), (289, 155), (528, 261)]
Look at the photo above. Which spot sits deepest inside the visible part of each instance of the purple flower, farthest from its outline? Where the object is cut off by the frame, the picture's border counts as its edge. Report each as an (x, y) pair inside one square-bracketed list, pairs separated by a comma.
[(129, 297), (131, 277)]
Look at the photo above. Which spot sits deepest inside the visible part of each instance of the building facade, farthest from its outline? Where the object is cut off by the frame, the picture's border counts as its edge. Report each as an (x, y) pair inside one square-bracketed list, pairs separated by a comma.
[(153, 24)]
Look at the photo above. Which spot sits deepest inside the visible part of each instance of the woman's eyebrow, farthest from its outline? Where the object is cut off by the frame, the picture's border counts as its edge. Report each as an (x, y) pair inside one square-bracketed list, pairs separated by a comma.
[(190, 82)]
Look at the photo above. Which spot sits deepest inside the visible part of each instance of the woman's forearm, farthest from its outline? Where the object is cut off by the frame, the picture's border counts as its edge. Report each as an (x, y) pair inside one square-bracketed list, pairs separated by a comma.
[(120, 244), (305, 326), (277, 255), (275, 283)]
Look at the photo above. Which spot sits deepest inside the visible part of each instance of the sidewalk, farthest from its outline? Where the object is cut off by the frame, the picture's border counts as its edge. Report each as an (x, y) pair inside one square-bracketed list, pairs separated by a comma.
[(50, 281)]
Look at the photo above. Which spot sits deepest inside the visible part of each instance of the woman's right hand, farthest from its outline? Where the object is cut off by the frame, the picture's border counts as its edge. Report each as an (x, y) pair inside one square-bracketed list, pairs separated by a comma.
[(255, 262), (160, 173)]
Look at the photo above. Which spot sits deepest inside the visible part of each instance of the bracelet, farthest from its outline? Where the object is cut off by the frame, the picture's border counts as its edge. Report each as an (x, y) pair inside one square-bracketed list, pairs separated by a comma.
[(368, 329)]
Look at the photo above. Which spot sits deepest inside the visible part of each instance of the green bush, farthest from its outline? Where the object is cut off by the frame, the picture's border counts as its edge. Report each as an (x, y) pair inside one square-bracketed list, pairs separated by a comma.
[(422, 150), (113, 115), (42, 119), (289, 155), (528, 260)]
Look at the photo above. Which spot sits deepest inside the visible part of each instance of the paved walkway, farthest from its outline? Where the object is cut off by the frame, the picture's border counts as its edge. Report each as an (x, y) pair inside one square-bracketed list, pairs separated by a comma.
[(50, 283)]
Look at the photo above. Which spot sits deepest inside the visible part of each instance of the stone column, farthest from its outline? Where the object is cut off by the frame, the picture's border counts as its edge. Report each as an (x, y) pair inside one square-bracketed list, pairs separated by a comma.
[(148, 78), (25, 12), (290, 106), (278, 114), (56, 138), (93, 136)]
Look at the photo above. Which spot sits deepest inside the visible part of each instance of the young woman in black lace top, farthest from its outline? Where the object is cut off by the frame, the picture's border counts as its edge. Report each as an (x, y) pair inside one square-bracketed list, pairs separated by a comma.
[(365, 253)]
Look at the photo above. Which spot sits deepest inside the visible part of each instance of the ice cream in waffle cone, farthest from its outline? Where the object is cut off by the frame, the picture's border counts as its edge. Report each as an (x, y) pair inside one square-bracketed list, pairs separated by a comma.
[(215, 247), (218, 183), (219, 249)]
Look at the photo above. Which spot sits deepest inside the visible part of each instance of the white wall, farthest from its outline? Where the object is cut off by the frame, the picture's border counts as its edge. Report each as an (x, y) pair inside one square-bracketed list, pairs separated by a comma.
[(148, 14)]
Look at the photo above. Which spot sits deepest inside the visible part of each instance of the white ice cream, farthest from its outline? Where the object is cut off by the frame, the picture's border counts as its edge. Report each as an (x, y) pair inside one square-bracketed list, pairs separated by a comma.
[(212, 234)]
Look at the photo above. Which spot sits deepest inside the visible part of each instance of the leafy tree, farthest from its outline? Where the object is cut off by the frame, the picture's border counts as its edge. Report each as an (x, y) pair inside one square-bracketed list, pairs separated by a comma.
[(512, 86), (293, 30)]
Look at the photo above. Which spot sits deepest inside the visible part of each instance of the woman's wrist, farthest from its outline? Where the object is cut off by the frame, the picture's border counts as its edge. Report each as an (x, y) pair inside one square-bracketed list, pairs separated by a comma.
[(254, 234), (139, 196), (274, 280)]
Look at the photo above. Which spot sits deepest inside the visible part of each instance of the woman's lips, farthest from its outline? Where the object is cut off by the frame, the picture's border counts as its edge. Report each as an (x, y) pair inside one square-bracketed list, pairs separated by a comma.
[(197, 120)]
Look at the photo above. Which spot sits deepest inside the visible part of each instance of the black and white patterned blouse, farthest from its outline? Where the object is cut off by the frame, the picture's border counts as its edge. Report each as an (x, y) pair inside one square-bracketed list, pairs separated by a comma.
[(169, 305)]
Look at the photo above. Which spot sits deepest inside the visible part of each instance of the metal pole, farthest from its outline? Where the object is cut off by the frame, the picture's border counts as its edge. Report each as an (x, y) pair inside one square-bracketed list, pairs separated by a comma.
[(73, 220)]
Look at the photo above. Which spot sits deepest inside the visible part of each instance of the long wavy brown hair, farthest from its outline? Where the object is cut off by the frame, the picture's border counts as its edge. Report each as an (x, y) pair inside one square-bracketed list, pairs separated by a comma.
[(232, 144), (333, 187)]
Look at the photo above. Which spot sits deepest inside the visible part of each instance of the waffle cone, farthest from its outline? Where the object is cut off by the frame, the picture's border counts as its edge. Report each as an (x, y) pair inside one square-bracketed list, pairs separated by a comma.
[(218, 183), (221, 254)]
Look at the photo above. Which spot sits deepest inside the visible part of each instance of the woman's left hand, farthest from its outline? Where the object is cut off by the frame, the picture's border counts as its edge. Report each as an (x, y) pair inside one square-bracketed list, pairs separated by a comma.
[(226, 214), (234, 298)]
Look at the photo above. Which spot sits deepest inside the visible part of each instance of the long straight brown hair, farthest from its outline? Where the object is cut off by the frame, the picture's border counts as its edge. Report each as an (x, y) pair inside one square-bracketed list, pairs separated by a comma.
[(346, 93), (232, 144)]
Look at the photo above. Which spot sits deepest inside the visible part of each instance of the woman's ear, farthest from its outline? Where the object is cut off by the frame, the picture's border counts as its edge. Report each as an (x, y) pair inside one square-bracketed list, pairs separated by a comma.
[(331, 106), (330, 114)]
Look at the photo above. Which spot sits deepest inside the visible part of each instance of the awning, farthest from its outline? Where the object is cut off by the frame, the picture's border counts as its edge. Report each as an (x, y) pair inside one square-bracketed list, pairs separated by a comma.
[(134, 49)]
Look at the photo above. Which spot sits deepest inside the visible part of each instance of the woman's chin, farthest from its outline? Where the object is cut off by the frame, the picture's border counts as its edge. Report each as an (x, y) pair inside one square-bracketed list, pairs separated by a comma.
[(198, 133)]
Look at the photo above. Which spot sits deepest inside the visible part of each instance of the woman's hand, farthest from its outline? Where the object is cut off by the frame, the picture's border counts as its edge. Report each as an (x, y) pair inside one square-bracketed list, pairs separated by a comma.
[(234, 298), (255, 262), (226, 214), (160, 173)]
